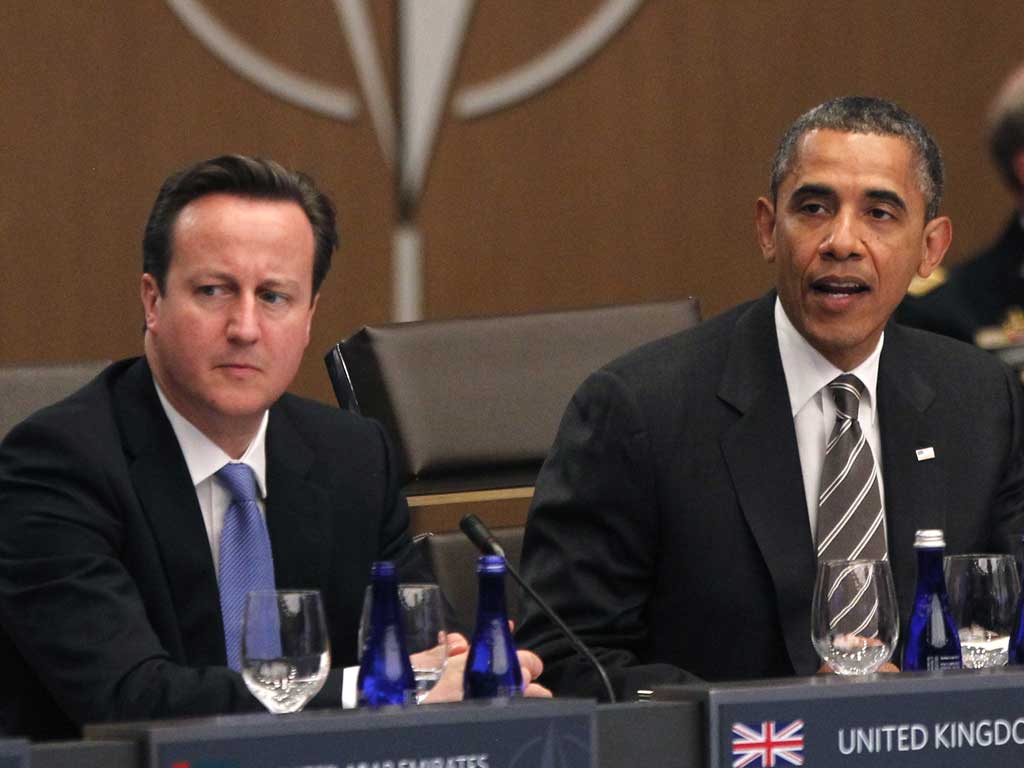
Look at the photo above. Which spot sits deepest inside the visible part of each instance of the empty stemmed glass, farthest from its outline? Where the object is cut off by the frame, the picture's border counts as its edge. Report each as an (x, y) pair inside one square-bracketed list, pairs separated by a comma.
[(425, 637), (854, 622), (286, 653), (983, 594)]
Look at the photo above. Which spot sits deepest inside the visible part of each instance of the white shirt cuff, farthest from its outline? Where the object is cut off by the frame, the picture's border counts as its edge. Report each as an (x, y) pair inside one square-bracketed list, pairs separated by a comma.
[(349, 693)]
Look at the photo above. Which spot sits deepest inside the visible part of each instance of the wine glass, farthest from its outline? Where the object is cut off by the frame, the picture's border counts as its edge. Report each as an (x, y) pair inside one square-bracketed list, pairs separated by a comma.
[(983, 593), (286, 653), (423, 625), (854, 622)]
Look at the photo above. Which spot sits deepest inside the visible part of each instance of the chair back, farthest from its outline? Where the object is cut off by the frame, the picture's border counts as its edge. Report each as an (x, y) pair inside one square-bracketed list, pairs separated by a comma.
[(475, 403), (24, 389), (453, 560)]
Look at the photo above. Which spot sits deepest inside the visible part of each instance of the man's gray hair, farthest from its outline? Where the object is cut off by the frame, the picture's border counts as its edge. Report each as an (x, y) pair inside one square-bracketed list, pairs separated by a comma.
[(865, 114), (1006, 127)]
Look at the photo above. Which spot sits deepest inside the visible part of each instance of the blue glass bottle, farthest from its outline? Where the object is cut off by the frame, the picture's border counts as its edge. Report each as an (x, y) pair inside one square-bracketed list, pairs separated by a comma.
[(492, 668), (932, 640), (385, 673)]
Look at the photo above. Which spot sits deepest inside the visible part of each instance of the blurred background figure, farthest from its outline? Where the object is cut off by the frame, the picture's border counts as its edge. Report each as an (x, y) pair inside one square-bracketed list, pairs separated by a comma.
[(980, 300)]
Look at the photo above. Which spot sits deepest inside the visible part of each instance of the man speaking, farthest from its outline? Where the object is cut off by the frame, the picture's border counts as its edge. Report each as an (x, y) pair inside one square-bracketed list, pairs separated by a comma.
[(679, 517)]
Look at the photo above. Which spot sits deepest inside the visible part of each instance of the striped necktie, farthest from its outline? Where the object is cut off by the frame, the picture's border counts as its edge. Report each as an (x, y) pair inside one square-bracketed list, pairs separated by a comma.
[(851, 521), (246, 562)]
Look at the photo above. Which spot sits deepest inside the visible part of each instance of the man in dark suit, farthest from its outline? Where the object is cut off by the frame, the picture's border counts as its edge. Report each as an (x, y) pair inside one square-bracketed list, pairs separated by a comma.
[(981, 292), (676, 519), (123, 550)]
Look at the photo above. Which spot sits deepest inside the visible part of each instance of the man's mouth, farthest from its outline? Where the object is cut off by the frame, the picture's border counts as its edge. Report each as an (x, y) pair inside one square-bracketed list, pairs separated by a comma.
[(834, 286)]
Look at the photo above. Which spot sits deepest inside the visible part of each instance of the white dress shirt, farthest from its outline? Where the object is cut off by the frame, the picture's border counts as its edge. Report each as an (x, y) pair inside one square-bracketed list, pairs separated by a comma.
[(204, 458), (814, 409)]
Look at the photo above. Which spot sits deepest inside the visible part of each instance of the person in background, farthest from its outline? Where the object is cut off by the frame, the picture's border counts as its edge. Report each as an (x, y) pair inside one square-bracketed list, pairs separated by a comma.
[(137, 513), (695, 482), (987, 291)]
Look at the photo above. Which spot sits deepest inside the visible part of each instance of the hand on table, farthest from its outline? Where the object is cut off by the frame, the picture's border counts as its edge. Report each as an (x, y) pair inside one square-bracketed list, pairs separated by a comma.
[(449, 687)]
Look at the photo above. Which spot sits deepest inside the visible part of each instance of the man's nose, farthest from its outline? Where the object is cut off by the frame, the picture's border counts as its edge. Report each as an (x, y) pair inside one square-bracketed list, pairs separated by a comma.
[(243, 322), (843, 240)]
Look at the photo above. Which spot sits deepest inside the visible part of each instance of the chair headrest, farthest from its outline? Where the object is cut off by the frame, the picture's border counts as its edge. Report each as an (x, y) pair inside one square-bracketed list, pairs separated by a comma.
[(475, 403)]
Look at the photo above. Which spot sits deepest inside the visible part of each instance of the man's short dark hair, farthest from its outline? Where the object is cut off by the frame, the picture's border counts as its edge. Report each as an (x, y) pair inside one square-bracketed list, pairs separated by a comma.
[(1006, 127), (865, 114), (247, 177)]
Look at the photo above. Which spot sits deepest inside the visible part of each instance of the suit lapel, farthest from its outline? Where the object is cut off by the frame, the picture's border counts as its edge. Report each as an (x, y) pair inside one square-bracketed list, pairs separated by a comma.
[(168, 500), (764, 463), (297, 509), (914, 490)]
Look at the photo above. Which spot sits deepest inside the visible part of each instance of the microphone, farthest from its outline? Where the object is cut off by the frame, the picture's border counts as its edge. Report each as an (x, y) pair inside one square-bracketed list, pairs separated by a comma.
[(481, 536), (484, 540)]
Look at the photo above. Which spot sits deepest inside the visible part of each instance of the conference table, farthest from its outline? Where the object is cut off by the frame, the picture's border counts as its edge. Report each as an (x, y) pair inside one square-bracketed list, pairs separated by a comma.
[(961, 718)]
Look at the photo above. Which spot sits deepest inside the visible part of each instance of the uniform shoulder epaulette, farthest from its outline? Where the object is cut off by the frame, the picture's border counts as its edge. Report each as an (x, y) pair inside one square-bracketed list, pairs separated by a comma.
[(922, 286)]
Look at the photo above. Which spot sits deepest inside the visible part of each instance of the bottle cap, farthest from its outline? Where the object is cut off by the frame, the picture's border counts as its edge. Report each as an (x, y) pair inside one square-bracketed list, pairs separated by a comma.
[(490, 564), (929, 538), (382, 568)]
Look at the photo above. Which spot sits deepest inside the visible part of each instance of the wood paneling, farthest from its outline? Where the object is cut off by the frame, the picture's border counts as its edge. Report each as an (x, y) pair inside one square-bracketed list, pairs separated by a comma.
[(633, 178)]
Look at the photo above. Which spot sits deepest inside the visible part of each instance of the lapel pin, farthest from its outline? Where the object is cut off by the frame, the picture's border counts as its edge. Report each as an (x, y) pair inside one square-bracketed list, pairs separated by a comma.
[(924, 454)]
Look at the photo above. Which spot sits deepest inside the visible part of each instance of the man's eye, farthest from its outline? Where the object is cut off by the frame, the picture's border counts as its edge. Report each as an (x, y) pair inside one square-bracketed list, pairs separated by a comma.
[(209, 290), (812, 208), (272, 297), (880, 213)]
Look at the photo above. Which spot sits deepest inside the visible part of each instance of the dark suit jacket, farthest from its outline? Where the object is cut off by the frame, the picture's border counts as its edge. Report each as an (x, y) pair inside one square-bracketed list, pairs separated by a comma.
[(669, 525), (976, 294), (108, 597)]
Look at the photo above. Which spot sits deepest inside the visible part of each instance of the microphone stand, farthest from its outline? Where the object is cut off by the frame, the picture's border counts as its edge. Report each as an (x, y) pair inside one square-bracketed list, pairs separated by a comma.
[(481, 536)]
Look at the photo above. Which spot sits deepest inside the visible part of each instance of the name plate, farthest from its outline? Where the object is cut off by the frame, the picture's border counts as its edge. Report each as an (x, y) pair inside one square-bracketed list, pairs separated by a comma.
[(14, 753), (961, 718), (506, 734)]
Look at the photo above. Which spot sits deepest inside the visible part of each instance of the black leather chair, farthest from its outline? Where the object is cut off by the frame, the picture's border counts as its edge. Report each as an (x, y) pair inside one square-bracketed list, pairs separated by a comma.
[(475, 403), (24, 389)]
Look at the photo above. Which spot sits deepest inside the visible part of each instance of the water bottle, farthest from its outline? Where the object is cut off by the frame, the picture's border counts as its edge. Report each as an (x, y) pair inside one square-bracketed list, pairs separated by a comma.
[(385, 673), (932, 640), (492, 668)]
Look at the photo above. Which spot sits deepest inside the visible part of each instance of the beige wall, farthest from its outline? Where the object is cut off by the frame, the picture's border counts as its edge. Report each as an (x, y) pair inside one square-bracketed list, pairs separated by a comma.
[(633, 178)]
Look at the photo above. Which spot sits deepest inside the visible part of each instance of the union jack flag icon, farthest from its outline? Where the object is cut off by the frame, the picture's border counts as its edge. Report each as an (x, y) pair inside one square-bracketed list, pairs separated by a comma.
[(768, 745)]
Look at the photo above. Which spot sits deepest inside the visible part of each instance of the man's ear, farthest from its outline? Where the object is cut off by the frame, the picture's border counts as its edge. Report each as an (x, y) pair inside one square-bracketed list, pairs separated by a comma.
[(938, 234), (764, 222), (150, 293)]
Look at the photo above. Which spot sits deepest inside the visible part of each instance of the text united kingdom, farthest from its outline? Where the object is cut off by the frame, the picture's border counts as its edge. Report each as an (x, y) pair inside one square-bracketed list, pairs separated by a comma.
[(914, 737)]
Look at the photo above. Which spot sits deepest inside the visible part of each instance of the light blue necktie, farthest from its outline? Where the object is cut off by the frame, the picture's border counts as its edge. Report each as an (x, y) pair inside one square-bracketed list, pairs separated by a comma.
[(246, 562)]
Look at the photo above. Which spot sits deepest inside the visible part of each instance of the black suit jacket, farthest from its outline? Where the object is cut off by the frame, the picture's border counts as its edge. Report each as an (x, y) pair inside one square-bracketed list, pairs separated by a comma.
[(669, 524), (109, 605), (976, 294)]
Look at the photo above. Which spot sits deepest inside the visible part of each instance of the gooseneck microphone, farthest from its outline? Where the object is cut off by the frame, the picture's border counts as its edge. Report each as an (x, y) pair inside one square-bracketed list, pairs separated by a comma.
[(484, 540)]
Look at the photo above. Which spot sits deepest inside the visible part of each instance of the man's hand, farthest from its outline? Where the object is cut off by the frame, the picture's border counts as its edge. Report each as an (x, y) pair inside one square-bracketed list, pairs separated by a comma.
[(532, 666), (449, 687)]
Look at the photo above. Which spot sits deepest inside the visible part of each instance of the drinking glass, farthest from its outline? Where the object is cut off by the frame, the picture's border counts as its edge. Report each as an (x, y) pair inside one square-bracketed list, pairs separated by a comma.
[(286, 654), (983, 593), (854, 640), (424, 628)]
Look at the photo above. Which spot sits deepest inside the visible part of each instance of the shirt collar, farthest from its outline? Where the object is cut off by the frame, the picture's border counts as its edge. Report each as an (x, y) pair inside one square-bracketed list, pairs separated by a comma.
[(807, 371), (204, 457)]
